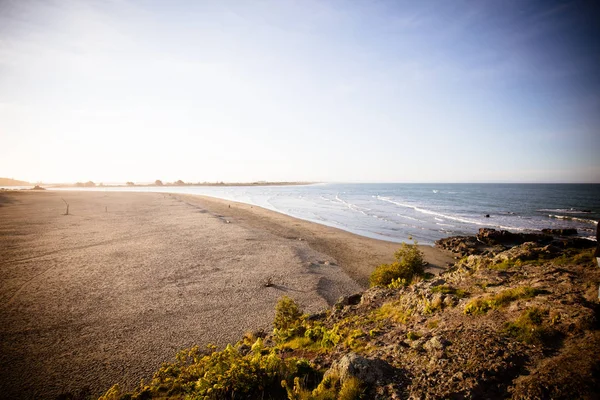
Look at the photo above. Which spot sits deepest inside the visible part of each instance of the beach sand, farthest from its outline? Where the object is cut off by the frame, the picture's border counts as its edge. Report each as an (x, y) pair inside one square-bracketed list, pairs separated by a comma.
[(107, 293)]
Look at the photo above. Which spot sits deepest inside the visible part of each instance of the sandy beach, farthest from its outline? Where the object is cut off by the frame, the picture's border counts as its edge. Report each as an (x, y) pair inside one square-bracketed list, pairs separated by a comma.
[(107, 293)]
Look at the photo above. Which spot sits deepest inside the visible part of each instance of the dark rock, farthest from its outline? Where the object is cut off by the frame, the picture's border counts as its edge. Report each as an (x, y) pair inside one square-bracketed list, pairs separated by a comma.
[(462, 245), (351, 300), (244, 349), (317, 316), (574, 243), (560, 232), (493, 237)]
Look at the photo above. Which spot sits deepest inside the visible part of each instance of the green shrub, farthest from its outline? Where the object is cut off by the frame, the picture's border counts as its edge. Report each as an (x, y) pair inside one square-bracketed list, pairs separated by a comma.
[(288, 319), (408, 265), (221, 374)]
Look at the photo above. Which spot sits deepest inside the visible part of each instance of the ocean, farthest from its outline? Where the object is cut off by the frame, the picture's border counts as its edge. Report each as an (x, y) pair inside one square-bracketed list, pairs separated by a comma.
[(421, 212)]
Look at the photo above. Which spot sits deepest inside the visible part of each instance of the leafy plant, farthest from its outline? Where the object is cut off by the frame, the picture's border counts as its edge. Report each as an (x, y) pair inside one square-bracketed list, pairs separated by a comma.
[(408, 265), (288, 318)]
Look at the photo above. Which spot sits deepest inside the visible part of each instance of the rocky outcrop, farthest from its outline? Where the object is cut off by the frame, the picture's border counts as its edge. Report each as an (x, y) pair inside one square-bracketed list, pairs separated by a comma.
[(491, 242), (493, 237), (560, 232)]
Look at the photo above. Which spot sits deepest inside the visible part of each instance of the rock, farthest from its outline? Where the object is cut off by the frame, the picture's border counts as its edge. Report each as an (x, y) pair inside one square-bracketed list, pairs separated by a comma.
[(493, 237), (366, 370), (351, 300), (374, 294), (524, 252), (462, 245), (317, 317), (437, 282), (244, 349), (560, 232), (436, 343), (574, 243), (450, 301)]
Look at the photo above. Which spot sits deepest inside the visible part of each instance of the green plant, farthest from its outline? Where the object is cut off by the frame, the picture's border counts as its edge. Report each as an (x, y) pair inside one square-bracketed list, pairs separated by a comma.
[(432, 306), (352, 389), (394, 311), (446, 289), (432, 324), (413, 335), (221, 374), (408, 265), (530, 327), (501, 299), (288, 319)]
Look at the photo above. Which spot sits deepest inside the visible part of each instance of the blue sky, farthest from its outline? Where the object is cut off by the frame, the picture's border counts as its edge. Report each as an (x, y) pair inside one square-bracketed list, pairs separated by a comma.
[(439, 91)]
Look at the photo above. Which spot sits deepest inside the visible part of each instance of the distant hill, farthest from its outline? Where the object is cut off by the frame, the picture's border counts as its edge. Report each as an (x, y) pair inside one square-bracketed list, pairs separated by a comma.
[(12, 182)]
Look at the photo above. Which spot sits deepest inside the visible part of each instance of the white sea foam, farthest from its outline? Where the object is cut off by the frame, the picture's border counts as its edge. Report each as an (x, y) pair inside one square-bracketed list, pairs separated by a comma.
[(565, 210), (451, 217), (570, 218), (353, 207)]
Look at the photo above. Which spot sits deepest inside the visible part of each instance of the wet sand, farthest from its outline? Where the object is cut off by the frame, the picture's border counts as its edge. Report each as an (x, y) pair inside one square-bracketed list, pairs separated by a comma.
[(107, 293)]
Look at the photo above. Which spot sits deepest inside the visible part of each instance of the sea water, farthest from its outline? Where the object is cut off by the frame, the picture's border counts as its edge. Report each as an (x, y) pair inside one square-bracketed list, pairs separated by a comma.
[(422, 212)]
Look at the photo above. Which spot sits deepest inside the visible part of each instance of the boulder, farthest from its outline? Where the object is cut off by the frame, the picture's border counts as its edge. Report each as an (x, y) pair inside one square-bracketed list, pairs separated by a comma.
[(436, 343), (351, 300), (366, 370)]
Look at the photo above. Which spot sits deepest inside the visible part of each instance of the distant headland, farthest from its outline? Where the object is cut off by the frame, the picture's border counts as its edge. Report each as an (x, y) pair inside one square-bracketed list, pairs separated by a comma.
[(158, 182), (13, 182)]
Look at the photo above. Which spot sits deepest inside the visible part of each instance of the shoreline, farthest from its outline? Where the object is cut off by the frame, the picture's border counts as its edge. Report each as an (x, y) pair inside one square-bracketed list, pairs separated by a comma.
[(109, 292), (338, 243)]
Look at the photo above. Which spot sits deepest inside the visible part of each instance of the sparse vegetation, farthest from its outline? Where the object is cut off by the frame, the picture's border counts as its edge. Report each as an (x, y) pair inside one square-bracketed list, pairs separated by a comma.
[(503, 298), (445, 289), (531, 327)]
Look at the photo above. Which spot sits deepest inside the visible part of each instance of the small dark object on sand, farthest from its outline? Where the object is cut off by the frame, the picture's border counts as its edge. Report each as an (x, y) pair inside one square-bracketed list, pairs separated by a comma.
[(269, 282), (487, 215)]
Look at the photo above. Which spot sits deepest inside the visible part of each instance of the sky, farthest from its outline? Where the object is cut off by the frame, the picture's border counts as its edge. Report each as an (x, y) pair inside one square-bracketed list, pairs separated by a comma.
[(333, 91)]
